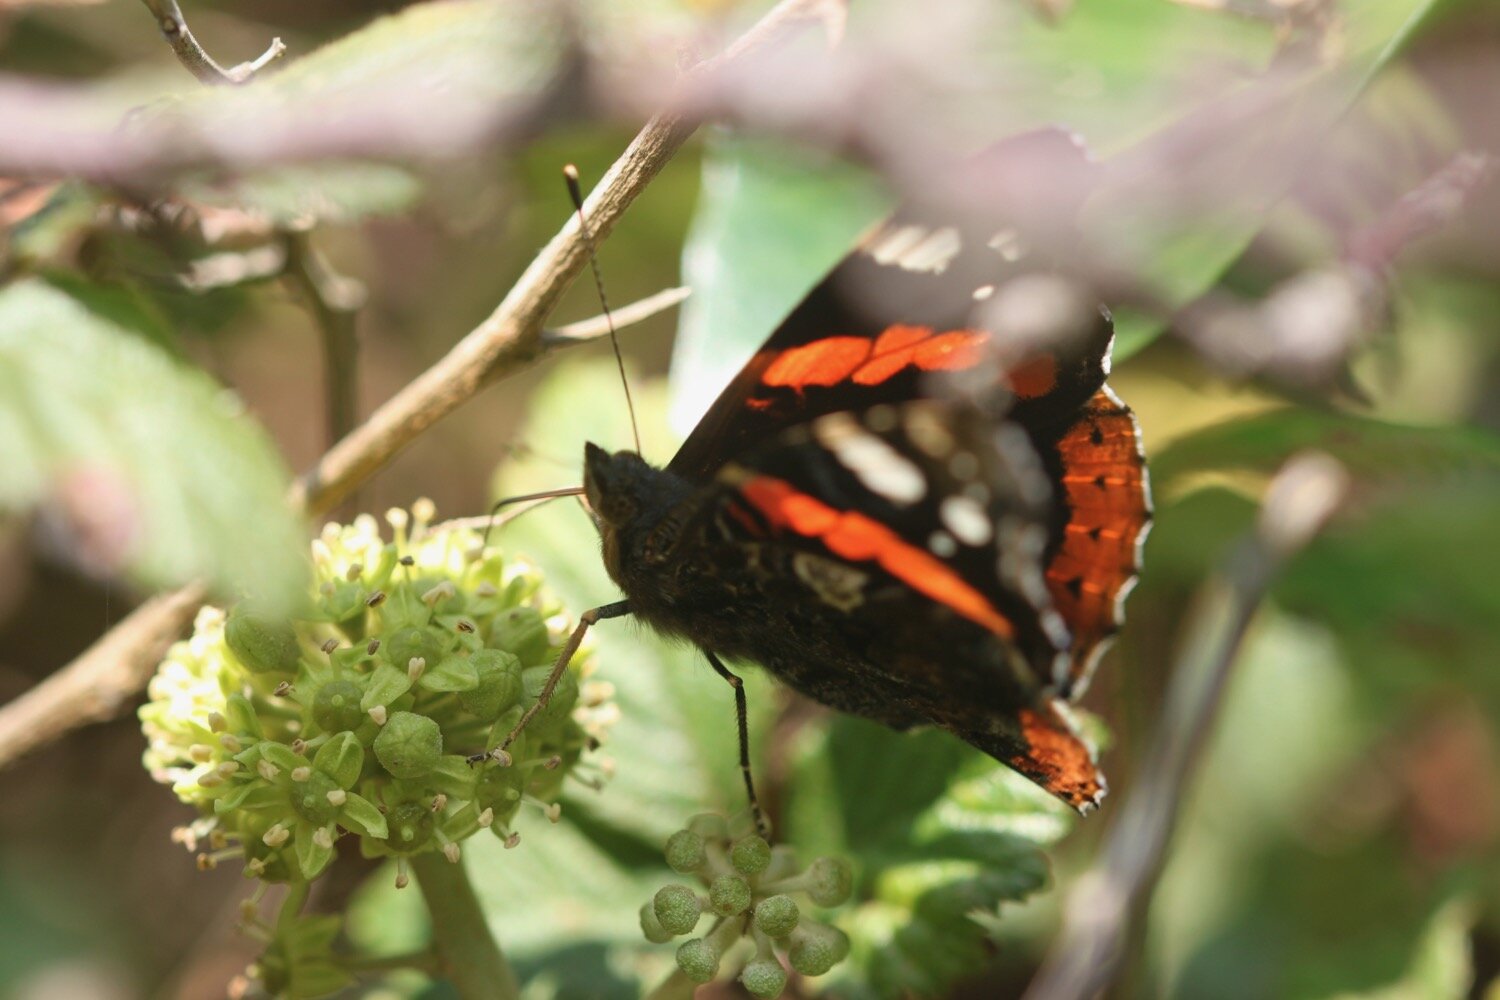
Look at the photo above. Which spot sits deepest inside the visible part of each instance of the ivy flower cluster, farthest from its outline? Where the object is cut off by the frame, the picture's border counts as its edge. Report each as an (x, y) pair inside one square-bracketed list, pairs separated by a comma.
[(750, 892), (357, 717)]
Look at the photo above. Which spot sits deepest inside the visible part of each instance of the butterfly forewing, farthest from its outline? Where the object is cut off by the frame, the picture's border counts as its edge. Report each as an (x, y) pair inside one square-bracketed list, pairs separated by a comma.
[(907, 304)]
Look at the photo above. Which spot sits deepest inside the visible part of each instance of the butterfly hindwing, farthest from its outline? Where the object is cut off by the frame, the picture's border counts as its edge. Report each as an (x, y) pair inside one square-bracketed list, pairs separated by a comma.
[(909, 540), (1101, 513)]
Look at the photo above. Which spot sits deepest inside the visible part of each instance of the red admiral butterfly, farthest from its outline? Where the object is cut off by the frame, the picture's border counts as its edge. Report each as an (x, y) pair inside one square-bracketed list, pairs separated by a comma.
[(887, 548)]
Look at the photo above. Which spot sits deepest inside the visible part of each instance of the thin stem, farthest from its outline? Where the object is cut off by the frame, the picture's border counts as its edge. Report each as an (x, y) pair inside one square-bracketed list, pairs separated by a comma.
[(1111, 900), (677, 986), (335, 301), (469, 957), (197, 61), (598, 326)]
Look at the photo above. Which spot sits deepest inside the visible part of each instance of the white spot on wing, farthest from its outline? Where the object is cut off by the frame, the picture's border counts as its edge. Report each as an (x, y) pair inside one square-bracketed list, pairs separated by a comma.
[(1008, 244), (983, 292), (881, 468), (942, 544), (966, 519), (914, 248), (928, 432)]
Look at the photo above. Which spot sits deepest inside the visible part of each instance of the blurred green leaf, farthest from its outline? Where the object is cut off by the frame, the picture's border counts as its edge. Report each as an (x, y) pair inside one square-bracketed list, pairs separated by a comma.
[(1376, 452), (771, 220), (1442, 966), (152, 467), (1142, 54), (1424, 497)]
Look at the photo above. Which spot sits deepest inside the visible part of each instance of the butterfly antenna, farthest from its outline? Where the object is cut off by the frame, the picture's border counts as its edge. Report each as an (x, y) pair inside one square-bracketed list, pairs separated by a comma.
[(544, 495), (570, 174)]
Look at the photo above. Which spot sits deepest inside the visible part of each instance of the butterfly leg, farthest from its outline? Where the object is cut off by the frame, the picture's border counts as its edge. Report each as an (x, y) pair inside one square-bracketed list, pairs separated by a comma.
[(586, 620), (741, 712)]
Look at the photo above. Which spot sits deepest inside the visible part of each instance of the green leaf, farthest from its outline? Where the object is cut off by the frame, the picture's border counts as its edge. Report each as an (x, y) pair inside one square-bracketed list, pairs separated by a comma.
[(1180, 247), (153, 465), (943, 836), (771, 220)]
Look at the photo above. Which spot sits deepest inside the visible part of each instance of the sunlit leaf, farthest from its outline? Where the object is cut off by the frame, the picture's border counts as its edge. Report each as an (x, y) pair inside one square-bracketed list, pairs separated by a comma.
[(771, 220)]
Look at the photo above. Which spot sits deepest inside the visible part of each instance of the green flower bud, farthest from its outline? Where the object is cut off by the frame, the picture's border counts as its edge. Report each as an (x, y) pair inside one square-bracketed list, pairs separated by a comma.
[(699, 960), (263, 645), (729, 895), (750, 855), (409, 746), (829, 881), (410, 825), (401, 670), (677, 909), (685, 852), (336, 706), (402, 645), (816, 948), (522, 632), (499, 788), (764, 978), (652, 928), (777, 916), (499, 687), (310, 798)]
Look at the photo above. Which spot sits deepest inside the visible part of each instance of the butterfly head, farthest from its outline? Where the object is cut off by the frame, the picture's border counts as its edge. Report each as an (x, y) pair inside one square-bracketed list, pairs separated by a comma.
[(611, 483)]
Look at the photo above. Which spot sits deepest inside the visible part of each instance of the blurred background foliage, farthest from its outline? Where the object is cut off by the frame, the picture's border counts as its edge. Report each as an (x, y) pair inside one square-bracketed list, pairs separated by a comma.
[(1341, 837)]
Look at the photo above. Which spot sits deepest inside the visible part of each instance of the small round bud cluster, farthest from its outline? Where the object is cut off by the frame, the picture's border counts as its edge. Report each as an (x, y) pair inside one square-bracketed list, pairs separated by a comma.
[(359, 715), (750, 891)]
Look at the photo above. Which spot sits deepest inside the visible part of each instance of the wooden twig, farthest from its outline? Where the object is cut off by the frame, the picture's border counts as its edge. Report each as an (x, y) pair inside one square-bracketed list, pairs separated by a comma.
[(508, 341), (103, 679), (174, 28), (335, 301), (1111, 899), (598, 326)]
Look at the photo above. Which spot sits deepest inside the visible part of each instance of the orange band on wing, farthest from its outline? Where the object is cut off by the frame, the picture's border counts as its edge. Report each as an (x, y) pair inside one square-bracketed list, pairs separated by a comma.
[(1109, 507), (857, 538), (1034, 378), (1057, 759), (865, 362), (833, 360)]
